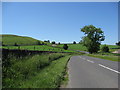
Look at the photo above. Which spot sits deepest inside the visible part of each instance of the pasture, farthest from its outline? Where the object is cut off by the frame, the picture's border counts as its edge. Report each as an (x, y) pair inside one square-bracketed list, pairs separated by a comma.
[(38, 48)]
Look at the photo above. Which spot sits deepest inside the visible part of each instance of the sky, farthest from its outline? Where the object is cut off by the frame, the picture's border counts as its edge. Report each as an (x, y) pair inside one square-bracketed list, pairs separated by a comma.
[(60, 21)]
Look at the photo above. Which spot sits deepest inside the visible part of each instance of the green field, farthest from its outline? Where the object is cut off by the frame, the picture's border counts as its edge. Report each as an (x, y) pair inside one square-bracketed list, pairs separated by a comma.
[(20, 40), (34, 71), (83, 48), (112, 48), (106, 57), (32, 44), (38, 48), (74, 47)]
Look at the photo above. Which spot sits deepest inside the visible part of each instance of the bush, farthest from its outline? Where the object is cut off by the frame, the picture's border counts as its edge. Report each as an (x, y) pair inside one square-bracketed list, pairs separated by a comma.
[(74, 42), (53, 42), (105, 48), (38, 43), (65, 46), (15, 44)]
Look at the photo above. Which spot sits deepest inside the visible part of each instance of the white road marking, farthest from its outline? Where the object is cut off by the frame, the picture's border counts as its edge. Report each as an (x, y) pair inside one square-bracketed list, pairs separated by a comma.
[(109, 68), (90, 61)]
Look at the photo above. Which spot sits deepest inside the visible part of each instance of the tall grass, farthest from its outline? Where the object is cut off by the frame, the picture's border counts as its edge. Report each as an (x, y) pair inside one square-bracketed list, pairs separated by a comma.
[(17, 70), (49, 77)]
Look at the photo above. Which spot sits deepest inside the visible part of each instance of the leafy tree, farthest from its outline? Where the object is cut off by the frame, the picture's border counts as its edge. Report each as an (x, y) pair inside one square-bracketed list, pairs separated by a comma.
[(53, 42), (105, 48), (43, 43), (80, 42), (92, 39), (74, 42), (15, 44), (47, 41), (118, 43), (59, 43), (65, 46), (3, 44), (38, 43)]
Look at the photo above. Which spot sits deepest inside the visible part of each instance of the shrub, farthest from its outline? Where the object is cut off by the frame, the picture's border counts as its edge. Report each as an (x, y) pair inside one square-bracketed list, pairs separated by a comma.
[(105, 48), (65, 46), (38, 43), (15, 44), (53, 42), (74, 42)]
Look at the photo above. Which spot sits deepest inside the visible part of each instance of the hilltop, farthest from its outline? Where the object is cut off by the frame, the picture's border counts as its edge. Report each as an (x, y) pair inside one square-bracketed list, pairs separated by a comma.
[(8, 39)]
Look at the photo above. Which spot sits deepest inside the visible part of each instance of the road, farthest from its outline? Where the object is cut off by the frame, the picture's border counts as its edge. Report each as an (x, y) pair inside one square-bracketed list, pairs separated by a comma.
[(82, 51), (89, 72)]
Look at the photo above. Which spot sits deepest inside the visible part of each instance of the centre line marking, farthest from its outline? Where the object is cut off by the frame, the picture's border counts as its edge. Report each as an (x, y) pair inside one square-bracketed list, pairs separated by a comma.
[(90, 61), (109, 68)]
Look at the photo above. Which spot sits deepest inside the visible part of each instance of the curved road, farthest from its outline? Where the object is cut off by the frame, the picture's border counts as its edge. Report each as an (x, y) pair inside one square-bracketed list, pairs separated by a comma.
[(89, 72)]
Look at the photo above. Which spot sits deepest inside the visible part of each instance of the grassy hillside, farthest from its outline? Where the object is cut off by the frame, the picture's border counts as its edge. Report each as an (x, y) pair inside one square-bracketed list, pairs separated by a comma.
[(20, 40)]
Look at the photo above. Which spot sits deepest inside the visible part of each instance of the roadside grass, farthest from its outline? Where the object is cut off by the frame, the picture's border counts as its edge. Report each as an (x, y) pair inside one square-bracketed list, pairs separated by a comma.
[(65, 80), (19, 70), (106, 57), (49, 77)]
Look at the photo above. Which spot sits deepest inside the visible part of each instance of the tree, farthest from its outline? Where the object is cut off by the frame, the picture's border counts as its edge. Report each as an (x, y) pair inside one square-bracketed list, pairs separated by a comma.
[(74, 42), (92, 39), (80, 42), (15, 44), (65, 46), (59, 43), (3, 44), (105, 48), (47, 41), (43, 43), (38, 42), (118, 43), (53, 42)]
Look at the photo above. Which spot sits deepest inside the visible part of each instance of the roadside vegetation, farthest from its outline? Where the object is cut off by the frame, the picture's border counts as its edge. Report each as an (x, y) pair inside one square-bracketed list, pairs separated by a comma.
[(48, 70), (34, 71), (106, 56)]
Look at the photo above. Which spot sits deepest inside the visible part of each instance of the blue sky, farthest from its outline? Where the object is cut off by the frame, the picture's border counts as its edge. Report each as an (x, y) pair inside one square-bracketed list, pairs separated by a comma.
[(60, 21)]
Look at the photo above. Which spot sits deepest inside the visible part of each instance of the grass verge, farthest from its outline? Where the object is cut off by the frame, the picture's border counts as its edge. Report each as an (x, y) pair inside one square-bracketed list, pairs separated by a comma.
[(106, 57), (49, 77), (33, 71)]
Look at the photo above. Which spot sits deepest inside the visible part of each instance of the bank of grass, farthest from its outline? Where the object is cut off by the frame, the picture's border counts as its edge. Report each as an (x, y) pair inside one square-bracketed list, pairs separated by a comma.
[(37, 71), (106, 57), (49, 77)]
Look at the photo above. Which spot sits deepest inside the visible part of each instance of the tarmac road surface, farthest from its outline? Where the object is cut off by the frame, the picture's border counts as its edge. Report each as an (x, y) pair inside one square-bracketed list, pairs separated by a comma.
[(89, 72)]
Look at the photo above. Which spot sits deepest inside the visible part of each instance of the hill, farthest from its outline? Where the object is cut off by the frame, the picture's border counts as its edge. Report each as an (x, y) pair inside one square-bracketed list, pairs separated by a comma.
[(20, 40)]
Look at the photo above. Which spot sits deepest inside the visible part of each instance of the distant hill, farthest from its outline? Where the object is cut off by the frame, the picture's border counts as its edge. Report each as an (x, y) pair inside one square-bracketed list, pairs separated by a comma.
[(19, 40)]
